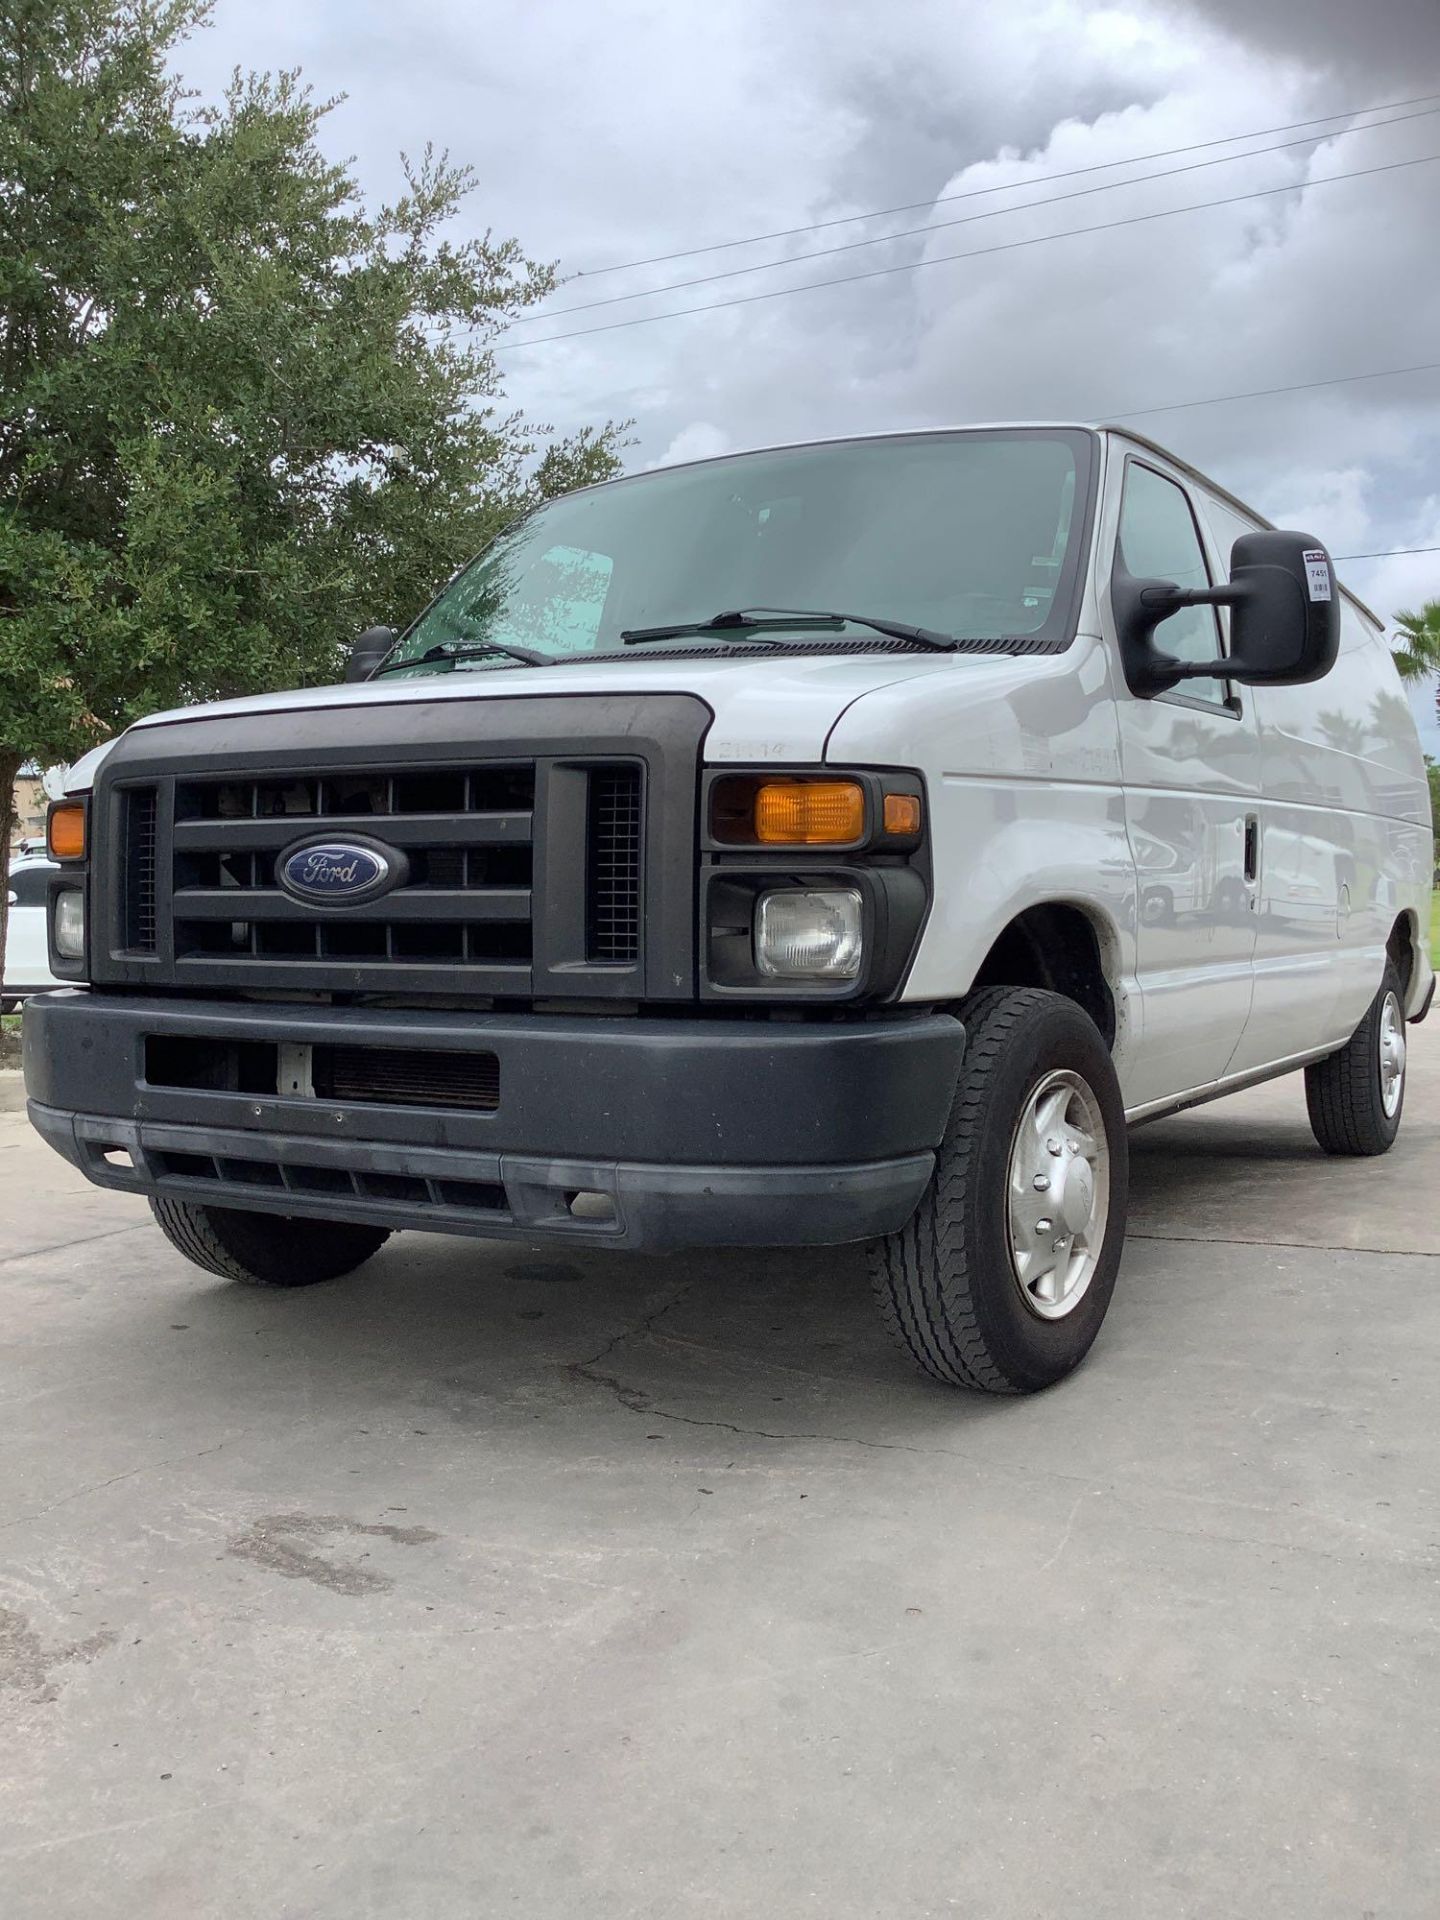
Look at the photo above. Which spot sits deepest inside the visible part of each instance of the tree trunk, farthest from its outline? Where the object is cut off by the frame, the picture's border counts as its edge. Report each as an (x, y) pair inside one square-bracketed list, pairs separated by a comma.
[(10, 765)]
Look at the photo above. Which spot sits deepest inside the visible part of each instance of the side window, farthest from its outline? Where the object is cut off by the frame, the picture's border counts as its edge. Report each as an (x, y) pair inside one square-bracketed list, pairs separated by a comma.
[(30, 885), (1159, 540)]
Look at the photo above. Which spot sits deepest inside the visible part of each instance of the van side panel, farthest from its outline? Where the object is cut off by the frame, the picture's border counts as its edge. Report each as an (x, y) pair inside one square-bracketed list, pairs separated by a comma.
[(1022, 765), (1344, 837), (1345, 782)]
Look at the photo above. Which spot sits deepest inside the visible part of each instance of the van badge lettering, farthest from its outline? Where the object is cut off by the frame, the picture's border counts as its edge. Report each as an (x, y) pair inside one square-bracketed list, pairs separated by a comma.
[(339, 873)]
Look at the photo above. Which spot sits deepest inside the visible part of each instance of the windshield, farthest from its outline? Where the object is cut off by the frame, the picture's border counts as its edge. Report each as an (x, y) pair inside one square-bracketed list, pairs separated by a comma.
[(972, 534)]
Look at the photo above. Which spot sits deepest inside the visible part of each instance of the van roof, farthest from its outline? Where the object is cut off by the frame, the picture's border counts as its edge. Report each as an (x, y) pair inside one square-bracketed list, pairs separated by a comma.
[(991, 426)]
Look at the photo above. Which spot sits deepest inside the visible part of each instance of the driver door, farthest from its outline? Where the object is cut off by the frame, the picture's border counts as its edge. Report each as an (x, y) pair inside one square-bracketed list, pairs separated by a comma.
[(1191, 767)]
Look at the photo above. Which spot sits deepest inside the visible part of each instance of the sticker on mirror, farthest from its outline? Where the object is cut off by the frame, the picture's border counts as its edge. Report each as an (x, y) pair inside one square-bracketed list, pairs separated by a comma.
[(1317, 573)]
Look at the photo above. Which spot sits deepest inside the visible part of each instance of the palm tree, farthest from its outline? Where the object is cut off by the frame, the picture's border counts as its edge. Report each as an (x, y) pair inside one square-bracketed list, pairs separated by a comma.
[(1417, 641)]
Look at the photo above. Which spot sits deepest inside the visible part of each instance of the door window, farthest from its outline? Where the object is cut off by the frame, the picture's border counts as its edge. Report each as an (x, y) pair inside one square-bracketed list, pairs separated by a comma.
[(29, 885), (1160, 541)]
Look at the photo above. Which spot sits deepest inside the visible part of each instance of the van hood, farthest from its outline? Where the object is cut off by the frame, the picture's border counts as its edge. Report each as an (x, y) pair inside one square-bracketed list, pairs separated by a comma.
[(781, 709)]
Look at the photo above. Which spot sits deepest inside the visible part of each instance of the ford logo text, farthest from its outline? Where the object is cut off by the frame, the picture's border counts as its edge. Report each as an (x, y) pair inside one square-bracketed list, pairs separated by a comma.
[(340, 873)]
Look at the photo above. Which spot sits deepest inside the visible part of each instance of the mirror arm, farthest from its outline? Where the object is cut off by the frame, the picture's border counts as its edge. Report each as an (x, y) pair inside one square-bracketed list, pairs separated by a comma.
[(1158, 602), (1166, 600)]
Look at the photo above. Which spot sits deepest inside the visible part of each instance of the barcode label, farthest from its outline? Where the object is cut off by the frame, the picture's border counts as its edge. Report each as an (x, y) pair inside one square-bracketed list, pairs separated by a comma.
[(1317, 573)]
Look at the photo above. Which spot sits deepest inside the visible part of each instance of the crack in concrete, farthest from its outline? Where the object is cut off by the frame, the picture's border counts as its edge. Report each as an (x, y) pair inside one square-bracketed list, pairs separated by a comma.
[(637, 1400), (1296, 1246), (98, 1486), (64, 1246)]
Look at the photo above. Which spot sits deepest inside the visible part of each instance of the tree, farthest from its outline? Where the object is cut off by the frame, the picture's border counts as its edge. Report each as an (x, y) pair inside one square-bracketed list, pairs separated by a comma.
[(240, 415), (1417, 641), (1432, 770)]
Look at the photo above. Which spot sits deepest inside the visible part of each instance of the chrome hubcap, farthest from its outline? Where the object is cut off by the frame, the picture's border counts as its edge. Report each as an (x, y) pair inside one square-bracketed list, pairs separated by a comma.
[(1058, 1194), (1392, 1055)]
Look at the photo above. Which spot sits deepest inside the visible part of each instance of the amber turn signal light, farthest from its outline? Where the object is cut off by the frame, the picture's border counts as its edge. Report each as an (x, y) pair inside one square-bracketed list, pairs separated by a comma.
[(902, 813), (809, 813), (65, 833)]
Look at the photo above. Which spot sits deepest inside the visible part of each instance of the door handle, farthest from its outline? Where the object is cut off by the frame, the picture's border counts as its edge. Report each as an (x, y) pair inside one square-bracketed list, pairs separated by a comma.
[(1252, 846)]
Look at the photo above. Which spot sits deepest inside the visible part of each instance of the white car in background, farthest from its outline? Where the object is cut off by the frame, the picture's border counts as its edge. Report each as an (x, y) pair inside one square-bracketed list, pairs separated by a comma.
[(27, 957)]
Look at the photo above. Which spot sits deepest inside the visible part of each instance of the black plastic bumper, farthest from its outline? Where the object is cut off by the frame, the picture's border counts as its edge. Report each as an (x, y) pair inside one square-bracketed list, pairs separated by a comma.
[(677, 1132)]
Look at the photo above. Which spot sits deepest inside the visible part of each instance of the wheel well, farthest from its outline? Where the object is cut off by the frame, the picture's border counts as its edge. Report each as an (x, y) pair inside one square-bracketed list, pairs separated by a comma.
[(1401, 948), (1056, 947)]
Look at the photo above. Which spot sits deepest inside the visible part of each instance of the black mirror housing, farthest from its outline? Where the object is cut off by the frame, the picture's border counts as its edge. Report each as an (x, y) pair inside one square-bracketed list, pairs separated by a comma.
[(1284, 617), (369, 649), (1285, 610)]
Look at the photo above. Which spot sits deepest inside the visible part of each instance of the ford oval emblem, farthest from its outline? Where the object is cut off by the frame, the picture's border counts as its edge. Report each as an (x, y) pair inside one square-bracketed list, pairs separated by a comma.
[(340, 873)]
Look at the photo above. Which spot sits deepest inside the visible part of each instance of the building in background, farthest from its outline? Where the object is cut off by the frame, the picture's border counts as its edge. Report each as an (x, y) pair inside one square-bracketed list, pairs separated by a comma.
[(31, 805)]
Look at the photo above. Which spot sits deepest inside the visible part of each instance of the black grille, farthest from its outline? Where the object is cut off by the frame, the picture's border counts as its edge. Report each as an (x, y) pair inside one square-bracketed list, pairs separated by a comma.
[(419, 1078), (613, 865), (141, 920), (466, 835), (541, 850)]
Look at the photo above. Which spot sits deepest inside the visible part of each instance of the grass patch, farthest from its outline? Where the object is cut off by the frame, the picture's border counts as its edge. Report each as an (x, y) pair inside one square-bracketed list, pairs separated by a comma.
[(1435, 928)]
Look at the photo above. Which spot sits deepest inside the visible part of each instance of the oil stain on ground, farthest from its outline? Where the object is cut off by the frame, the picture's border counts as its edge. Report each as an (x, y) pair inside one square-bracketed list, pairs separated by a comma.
[(26, 1667), (289, 1544)]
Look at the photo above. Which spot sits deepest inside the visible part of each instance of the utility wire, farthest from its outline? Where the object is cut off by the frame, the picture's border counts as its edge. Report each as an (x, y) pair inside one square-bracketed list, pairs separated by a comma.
[(1264, 393), (963, 220), (973, 253), (976, 193), (1384, 553)]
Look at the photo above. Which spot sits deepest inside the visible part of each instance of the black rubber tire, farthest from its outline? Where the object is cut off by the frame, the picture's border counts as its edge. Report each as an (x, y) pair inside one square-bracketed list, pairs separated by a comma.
[(265, 1249), (9, 1006), (1343, 1094), (944, 1283)]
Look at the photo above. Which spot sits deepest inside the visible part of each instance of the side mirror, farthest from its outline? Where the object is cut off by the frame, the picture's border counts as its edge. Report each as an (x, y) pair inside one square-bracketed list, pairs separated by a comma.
[(1284, 618), (369, 650)]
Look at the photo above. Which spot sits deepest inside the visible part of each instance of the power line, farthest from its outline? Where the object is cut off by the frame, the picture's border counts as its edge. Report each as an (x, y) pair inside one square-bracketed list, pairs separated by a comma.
[(974, 253), (976, 193), (1264, 393), (964, 220), (1384, 553)]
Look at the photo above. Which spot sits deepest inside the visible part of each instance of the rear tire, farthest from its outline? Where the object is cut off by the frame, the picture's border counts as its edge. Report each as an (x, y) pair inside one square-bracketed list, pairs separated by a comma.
[(265, 1249), (1356, 1097), (977, 1287)]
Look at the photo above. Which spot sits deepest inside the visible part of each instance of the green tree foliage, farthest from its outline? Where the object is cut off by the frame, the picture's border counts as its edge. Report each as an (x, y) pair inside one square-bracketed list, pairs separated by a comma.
[(1417, 641), (241, 415), (1432, 769)]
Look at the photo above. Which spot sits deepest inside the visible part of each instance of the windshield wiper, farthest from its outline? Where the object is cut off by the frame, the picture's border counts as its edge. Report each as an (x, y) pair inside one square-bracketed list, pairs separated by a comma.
[(744, 621), (528, 656)]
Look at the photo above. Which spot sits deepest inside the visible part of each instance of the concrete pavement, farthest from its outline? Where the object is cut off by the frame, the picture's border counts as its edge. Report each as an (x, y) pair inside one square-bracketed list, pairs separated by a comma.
[(493, 1580)]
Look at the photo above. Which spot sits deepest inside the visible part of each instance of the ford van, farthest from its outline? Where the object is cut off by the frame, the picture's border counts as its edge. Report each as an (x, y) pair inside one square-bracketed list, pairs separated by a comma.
[(837, 842)]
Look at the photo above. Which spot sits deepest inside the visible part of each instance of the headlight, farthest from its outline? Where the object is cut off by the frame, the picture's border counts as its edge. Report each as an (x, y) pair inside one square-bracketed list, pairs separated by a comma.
[(70, 924), (800, 934)]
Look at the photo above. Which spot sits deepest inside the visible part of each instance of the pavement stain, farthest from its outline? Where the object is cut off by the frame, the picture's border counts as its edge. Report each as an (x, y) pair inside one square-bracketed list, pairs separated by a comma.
[(25, 1665), (288, 1544)]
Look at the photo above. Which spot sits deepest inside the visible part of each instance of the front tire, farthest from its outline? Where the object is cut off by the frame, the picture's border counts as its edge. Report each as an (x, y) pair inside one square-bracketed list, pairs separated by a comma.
[(265, 1249), (1002, 1276), (1356, 1097)]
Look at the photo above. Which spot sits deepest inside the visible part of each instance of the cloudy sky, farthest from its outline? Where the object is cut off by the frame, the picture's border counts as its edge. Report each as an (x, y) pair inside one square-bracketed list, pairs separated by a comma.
[(606, 132)]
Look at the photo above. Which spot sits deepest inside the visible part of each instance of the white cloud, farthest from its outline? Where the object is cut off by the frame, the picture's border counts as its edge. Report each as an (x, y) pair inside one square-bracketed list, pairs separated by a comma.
[(608, 134), (701, 440)]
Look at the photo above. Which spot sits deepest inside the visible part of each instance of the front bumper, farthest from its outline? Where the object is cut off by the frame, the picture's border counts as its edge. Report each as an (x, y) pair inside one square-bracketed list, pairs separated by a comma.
[(676, 1132)]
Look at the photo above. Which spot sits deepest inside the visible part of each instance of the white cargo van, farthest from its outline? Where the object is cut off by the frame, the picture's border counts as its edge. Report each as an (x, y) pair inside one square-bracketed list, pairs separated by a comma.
[(834, 842), (26, 959)]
